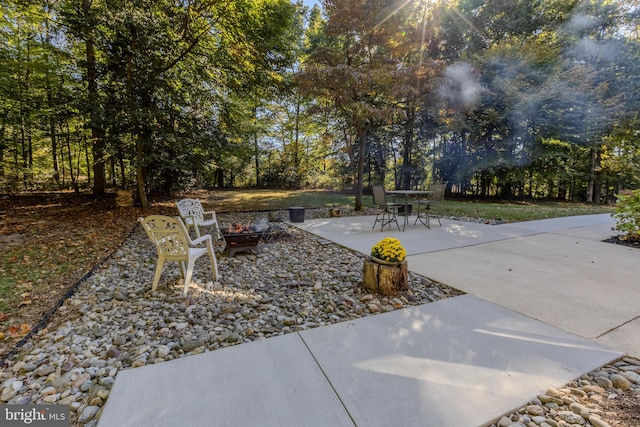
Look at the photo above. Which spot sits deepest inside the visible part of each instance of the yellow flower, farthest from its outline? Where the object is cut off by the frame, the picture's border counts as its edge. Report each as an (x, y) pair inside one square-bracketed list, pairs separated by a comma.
[(389, 249)]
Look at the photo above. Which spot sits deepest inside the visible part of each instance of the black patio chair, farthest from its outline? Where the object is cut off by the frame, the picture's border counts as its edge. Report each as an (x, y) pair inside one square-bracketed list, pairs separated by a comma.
[(430, 206), (388, 210)]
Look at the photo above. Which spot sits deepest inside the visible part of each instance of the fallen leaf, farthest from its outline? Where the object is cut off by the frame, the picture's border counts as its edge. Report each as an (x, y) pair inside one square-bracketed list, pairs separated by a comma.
[(23, 329), (3, 317)]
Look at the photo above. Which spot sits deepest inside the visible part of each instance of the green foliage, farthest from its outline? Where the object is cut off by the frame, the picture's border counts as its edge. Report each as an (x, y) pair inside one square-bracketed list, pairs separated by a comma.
[(203, 93), (627, 215)]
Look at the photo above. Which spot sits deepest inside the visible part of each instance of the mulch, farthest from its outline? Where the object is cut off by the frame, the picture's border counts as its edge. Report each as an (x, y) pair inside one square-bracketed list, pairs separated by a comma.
[(623, 242)]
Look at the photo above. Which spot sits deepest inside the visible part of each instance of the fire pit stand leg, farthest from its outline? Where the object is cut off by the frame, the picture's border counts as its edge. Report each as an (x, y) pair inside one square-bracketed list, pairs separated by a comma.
[(232, 250)]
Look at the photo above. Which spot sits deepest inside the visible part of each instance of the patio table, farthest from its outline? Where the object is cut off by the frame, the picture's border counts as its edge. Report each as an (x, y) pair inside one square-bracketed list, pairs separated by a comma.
[(413, 194)]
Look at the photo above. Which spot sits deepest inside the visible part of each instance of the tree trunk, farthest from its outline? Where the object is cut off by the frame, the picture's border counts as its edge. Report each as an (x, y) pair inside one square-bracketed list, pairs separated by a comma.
[(386, 279), (3, 147), (123, 170), (140, 176), (597, 181), (97, 134), (296, 137), (407, 166), (49, 90), (219, 181), (562, 189), (54, 150), (592, 175), (362, 147), (74, 182), (256, 150), (484, 190)]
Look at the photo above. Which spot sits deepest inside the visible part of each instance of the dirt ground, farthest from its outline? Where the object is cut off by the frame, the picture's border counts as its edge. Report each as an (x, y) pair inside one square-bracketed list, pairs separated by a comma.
[(623, 411), (48, 242)]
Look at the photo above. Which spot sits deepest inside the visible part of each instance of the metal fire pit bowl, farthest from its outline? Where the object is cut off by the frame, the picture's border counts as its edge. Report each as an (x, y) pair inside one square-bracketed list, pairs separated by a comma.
[(242, 242)]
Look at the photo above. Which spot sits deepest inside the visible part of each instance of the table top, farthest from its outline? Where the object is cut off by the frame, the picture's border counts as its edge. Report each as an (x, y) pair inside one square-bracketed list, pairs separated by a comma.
[(411, 192)]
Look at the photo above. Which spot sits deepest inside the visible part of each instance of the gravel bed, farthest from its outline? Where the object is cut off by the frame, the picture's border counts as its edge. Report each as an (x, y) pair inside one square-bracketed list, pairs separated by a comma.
[(297, 281), (608, 396)]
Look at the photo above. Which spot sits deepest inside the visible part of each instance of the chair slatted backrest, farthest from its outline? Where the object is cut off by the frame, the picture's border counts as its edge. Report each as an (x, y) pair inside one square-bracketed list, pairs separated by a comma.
[(379, 196), (168, 234), (438, 189), (191, 208)]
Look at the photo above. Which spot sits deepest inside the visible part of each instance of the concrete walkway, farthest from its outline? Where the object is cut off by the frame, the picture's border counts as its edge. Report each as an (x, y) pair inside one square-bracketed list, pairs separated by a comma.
[(547, 301), (558, 270)]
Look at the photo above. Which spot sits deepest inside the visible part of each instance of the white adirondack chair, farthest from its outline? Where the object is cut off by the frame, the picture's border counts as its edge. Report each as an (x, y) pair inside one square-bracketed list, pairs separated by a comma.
[(194, 215), (174, 244)]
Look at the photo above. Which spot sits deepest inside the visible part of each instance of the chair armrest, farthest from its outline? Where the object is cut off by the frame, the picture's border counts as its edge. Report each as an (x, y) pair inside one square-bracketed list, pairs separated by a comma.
[(212, 213), (201, 239), (188, 219)]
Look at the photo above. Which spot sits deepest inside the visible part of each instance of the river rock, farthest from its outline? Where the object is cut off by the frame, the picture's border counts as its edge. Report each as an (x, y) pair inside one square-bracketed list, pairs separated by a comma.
[(620, 382), (631, 376), (11, 390), (571, 418), (88, 413), (596, 421)]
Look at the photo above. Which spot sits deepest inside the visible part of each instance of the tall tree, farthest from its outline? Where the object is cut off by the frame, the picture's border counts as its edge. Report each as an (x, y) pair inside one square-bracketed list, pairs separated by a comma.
[(91, 76), (355, 70), (150, 49)]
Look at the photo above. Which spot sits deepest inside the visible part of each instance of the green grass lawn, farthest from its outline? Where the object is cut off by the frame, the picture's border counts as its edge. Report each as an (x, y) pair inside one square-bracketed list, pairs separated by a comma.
[(515, 212), (253, 200), (241, 200)]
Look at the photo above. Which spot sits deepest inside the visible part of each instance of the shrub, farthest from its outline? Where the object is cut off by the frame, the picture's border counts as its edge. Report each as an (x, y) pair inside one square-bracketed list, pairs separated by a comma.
[(627, 215)]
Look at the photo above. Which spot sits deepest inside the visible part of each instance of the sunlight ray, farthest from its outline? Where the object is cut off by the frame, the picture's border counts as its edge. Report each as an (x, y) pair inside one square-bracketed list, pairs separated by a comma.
[(386, 18)]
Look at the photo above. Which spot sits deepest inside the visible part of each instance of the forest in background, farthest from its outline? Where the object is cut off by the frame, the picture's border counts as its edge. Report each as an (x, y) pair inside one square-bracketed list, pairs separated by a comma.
[(513, 99)]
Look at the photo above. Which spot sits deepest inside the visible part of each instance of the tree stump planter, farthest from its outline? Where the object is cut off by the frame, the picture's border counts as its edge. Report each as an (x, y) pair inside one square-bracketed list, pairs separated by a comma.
[(387, 278)]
